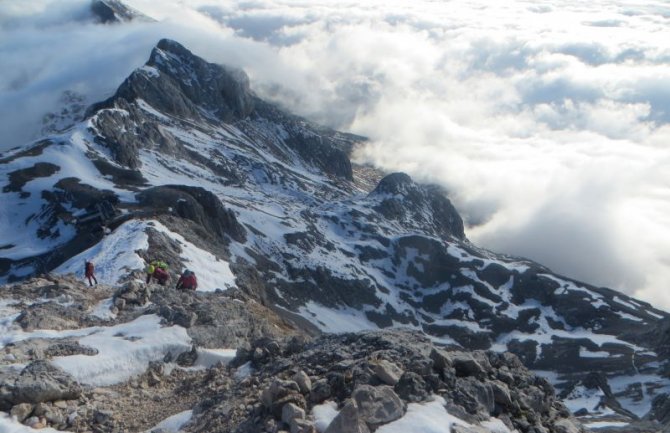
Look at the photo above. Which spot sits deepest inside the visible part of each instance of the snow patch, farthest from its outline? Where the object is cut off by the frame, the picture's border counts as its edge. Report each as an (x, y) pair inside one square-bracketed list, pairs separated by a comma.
[(429, 417), (324, 414), (103, 310), (243, 371), (622, 302), (114, 256), (336, 320), (603, 424), (496, 426), (124, 351), (586, 353), (212, 273), (210, 357), (172, 424)]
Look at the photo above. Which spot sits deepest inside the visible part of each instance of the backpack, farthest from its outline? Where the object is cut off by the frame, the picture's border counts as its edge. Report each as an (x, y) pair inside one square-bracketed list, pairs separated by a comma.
[(190, 281), (88, 267)]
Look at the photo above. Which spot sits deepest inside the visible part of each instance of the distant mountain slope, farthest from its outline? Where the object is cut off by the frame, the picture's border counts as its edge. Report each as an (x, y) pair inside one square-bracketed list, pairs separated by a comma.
[(276, 201)]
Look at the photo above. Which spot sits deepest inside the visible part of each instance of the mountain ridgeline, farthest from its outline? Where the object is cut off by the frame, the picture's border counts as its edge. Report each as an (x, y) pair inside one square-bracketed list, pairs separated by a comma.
[(326, 244)]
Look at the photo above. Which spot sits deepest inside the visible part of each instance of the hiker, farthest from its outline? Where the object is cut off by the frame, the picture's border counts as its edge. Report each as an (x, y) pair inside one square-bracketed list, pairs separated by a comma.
[(158, 269), (89, 272), (187, 281), (161, 275)]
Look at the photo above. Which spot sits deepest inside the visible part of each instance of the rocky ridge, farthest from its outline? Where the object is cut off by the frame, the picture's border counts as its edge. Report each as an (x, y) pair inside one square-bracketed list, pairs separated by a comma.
[(280, 378)]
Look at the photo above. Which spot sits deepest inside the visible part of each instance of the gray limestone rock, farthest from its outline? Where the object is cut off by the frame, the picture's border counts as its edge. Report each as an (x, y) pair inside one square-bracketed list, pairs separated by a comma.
[(465, 365), (378, 405), (22, 411), (320, 391), (411, 387), (291, 411), (40, 381), (280, 393), (387, 372), (348, 420), (303, 381)]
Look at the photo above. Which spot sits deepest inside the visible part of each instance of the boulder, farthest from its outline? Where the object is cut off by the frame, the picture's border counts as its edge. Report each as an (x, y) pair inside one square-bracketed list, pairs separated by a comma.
[(348, 420), (440, 358), (411, 387), (303, 381), (320, 391), (279, 393), (41, 381), (501, 394), (291, 411), (387, 372), (377, 405), (466, 365)]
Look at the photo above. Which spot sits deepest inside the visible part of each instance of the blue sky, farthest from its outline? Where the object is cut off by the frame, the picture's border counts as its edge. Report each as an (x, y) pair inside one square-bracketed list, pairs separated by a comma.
[(548, 122)]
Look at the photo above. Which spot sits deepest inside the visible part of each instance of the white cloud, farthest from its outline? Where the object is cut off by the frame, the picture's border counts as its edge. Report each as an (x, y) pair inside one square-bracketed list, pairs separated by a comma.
[(548, 123)]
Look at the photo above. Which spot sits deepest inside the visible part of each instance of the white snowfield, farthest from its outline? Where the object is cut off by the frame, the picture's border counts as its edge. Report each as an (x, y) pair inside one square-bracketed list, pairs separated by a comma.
[(116, 255)]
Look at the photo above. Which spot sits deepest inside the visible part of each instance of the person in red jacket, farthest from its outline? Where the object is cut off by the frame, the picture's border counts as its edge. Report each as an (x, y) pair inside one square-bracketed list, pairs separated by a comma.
[(89, 272), (187, 281), (161, 275)]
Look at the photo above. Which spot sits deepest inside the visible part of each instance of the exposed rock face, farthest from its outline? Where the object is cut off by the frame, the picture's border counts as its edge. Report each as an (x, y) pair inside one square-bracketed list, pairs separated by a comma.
[(19, 178), (176, 82), (401, 199), (216, 320), (198, 205)]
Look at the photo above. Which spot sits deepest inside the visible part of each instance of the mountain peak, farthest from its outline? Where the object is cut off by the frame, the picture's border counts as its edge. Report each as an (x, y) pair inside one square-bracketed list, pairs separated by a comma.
[(401, 199), (114, 11), (394, 183), (177, 82)]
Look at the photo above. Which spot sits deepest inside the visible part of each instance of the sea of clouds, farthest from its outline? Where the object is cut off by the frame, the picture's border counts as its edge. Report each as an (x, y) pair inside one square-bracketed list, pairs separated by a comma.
[(548, 121)]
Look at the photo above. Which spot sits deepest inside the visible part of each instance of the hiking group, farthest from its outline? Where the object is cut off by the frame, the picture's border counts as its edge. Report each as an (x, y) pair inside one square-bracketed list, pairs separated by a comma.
[(157, 270)]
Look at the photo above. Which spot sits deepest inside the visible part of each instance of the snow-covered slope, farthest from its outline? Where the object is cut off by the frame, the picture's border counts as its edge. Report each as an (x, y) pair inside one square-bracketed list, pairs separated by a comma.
[(206, 176)]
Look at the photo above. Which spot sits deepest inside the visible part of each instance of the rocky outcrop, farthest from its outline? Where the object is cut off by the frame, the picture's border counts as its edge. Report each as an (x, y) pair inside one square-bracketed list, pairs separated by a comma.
[(342, 369), (198, 205), (400, 199), (215, 320), (18, 178)]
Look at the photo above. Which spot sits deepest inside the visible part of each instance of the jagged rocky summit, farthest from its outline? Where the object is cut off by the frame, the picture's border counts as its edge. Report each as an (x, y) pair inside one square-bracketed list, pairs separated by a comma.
[(185, 163), (114, 11)]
